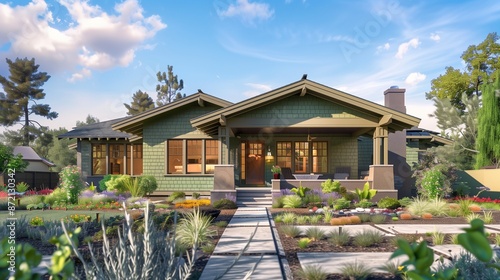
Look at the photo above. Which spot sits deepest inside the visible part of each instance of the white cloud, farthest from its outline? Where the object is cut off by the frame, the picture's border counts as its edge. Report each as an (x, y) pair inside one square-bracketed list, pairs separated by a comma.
[(435, 37), (93, 39), (415, 78), (256, 89), (82, 74), (383, 47), (247, 11), (403, 48)]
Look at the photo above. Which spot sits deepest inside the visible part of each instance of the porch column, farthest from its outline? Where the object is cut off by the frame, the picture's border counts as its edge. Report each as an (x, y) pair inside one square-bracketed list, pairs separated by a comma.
[(380, 145), (224, 145)]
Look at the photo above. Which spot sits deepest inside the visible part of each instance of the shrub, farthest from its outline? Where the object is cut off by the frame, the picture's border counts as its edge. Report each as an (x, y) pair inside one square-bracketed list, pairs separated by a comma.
[(278, 201), (312, 272), (57, 195), (176, 196), (194, 228), (221, 224), (192, 203), (355, 270), (339, 238), (472, 216), (71, 182), (315, 233), (345, 220), (366, 193), (405, 201), (288, 218), (336, 222), (341, 203), (367, 238), (291, 231), (330, 186), (148, 185), (389, 203), (292, 201), (22, 187), (475, 208), (208, 248), (78, 218), (437, 237), (304, 242), (365, 217), (315, 219), (313, 199), (438, 207), (224, 203), (302, 220), (355, 219), (488, 217), (419, 206), (378, 218), (427, 216), (103, 182), (195, 195), (405, 216), (469, 267), (36, 221), (432, 184), (364, 204), (327, 216)]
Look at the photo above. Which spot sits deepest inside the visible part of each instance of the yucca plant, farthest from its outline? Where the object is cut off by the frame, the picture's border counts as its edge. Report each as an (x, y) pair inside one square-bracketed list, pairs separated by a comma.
[(194, 227), (302, 220), (312, 272), (315, 233), (355, 270), (289, 218), (291, 231), (437, 238)]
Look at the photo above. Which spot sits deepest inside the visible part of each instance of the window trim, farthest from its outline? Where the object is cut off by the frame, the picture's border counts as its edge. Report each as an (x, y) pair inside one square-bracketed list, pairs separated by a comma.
[(184, 173), (126, 160)]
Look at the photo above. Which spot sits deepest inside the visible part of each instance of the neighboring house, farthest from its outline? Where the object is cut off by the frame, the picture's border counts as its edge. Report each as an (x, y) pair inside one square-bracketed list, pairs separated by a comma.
[(35, 162), (202, 143), (418, 140)]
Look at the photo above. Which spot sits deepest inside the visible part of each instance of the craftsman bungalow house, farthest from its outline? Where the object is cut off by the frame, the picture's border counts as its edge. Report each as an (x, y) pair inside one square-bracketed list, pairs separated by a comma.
[(204, 144)]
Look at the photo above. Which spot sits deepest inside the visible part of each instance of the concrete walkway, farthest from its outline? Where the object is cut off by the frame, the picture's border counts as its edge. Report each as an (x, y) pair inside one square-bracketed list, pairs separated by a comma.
[(263, 255)]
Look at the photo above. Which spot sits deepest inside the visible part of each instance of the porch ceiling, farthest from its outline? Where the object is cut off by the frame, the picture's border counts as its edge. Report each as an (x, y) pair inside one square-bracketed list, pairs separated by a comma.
[(303, 131)]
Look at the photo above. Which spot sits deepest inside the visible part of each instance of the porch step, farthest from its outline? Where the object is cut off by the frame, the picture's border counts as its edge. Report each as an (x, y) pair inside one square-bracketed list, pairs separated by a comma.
[(254, 197)]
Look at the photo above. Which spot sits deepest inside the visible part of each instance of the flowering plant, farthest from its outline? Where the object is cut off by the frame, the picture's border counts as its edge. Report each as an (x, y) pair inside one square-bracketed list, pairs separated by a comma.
[(36, 221), (276, 169), (71, 182)]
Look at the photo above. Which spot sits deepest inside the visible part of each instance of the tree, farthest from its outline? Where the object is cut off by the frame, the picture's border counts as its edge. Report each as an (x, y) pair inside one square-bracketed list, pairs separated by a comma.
[(460, 125), (23, 90), (89, 120), (481, 62), (141, 102), (9, 160), (488, 133), (169, 88)]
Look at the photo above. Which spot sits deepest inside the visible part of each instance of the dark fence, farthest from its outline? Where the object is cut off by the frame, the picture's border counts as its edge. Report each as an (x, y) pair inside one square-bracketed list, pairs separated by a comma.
[(38, 180)]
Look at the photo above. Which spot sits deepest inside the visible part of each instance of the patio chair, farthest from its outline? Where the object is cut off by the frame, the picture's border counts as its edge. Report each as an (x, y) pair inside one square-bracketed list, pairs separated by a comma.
[(286, 173), (342, 172)]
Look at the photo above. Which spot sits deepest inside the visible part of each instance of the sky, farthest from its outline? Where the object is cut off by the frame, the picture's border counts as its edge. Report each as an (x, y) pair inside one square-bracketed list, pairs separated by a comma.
[(99, 53)]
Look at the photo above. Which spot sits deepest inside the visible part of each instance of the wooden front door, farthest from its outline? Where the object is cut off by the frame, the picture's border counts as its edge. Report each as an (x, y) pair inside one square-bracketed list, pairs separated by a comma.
[(255, 163)]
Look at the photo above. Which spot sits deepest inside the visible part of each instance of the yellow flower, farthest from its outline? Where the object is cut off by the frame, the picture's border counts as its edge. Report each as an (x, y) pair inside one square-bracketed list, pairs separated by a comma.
[(401, 267)]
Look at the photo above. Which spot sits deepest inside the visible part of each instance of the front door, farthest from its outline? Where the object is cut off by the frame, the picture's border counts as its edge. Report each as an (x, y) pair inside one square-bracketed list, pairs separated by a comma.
[(255, 163)]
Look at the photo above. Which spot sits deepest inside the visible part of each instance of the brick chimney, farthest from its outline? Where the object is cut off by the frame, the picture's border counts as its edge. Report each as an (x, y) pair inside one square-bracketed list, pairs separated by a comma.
[(394, 98)]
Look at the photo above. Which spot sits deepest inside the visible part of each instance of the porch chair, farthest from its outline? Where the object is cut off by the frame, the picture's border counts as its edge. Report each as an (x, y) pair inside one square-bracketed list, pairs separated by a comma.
[(286, 173), (342, 172)]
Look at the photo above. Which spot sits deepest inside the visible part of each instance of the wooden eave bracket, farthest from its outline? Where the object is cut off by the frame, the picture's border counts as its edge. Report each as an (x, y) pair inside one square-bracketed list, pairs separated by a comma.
[(222, 120), (303, 91), (201, 102), (385, 120)]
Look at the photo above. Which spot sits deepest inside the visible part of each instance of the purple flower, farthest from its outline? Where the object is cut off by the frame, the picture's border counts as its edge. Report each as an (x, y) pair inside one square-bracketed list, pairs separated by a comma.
[(87, 194), (109, 194), (230, 197), (286, 192)]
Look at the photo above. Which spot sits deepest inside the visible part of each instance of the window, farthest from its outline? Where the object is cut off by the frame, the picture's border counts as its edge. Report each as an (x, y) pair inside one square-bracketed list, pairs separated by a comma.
[(319, 157), (175, 157), (192, 156), (98, 159), (284, 154), (301, 157), (211, 155), (134, 159), (116, 158)]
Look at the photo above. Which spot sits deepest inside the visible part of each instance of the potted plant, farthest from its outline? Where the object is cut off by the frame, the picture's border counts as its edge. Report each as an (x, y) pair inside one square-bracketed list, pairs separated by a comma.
[(276, 170)]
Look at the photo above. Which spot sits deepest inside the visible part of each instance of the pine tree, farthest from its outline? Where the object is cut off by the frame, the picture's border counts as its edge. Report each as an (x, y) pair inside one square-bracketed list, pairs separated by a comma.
[(488, 133), (169, 88), (23, 90), (141, 102)]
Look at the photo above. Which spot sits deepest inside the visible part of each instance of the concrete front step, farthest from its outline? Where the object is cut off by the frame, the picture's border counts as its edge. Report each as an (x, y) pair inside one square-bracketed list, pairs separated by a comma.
[(254, 197)]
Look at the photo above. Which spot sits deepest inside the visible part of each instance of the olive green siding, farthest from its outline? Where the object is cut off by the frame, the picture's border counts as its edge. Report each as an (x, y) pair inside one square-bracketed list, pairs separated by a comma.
[(155, 134), (412, 148), (344, 152), (296, 107), (365, 157)]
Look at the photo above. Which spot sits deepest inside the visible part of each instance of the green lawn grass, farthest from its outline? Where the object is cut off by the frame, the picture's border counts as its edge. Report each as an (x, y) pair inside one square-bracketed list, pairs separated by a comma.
[(54, 215)]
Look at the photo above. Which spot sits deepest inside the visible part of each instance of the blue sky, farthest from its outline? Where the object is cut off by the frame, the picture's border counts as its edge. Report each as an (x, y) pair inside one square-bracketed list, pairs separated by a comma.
[(99, 53)]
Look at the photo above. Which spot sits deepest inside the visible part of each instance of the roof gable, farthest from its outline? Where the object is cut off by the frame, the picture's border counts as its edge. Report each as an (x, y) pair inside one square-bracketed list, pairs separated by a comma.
[(134, 125), (97, 131), (396, 120)]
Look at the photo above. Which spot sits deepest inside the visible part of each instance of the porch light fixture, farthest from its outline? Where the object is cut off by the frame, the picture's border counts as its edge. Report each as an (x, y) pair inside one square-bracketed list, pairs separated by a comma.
[(269, 157)]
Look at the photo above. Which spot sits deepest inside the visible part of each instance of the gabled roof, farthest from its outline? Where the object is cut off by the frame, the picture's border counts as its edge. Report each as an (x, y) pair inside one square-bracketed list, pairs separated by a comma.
[(30, 155), (395, 119), (100, 130), (134, 124), (432, 136)]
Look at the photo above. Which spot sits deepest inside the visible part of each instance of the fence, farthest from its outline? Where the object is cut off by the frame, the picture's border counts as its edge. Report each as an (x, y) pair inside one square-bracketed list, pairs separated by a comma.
[(38, 180)]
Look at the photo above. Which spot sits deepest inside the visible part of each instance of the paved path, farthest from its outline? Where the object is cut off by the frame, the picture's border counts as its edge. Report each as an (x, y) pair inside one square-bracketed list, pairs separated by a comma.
[(263, 254)]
